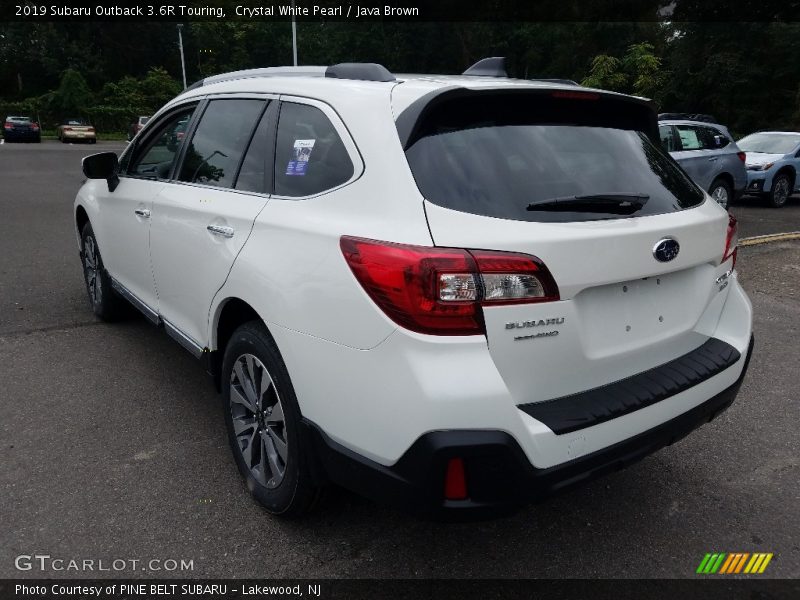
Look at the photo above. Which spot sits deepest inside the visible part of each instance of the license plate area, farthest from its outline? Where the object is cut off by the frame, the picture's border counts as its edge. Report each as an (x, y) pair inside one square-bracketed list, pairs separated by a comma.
[(631, 314)]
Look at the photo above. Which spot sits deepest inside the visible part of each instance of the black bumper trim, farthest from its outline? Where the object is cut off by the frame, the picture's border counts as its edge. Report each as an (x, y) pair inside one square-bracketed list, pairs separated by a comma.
[(500, 479), (585, 409)]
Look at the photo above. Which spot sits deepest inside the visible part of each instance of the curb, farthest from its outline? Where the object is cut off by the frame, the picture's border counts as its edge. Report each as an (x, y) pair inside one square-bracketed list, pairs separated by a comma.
[(772, 237)]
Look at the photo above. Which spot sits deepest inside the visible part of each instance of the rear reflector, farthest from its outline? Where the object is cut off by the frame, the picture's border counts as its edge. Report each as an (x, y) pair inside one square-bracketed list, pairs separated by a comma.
[(742, 156), (440, 291), (455, 480), (731, 240)]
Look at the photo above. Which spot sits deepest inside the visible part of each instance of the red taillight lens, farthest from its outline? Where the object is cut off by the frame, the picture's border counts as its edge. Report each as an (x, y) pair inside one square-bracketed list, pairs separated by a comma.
[(90, 130), (67, 128), (35, 126), (7, 125), (731, 240), (455, 480), (440, 290), (742, 156), (403, 282)]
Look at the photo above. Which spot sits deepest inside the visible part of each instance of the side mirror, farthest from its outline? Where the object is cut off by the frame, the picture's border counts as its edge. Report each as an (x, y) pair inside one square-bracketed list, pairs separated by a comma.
[(104, 165)]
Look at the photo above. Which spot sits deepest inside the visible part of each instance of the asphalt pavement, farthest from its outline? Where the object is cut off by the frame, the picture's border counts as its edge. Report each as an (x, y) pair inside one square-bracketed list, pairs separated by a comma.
[(112, 443)]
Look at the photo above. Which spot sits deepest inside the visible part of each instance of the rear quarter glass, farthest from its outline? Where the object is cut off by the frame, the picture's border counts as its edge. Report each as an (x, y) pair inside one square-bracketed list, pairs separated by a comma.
[(496, 157)]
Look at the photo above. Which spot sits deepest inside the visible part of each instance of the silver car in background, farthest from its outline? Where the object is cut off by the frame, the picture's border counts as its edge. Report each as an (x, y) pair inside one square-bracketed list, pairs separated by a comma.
[(708, 154)]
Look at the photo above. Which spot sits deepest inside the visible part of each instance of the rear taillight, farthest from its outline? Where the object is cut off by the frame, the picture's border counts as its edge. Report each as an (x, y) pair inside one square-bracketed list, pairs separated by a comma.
[(440, 291), (742, 156), (7, 125), (90, 130), (67, 128), (731, 240), (35, 126)]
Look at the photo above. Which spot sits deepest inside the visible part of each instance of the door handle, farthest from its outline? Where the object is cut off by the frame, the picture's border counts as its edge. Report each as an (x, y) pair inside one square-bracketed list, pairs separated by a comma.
[(221, 230), (712, 159), (142, 212)]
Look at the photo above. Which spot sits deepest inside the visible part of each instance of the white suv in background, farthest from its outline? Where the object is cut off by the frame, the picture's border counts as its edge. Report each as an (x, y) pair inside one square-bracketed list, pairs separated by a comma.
[(452, 294)]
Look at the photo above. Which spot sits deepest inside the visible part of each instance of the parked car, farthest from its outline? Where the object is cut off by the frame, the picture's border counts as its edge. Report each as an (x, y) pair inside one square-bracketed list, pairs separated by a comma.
[(136, 127), (453, 294), (707, 152), (76, 130), (21, 129), (773, 162)]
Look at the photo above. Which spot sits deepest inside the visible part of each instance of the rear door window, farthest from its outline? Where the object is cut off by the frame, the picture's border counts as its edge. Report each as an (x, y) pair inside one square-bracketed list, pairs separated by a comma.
[(501, 159), (310, 157), (257, 164), (215, 151)]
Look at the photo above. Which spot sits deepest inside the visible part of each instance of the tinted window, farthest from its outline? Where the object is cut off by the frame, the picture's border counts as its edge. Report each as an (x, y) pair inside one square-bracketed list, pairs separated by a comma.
[(310, 157), (503, 166), (668, 138), (219, 142), (253, 172), (158, 154)]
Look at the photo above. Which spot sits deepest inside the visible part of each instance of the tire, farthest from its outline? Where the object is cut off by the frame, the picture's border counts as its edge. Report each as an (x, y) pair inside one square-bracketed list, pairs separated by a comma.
[(720, 190), (781, 190), (104, 301), (277, 468), (94, 141)]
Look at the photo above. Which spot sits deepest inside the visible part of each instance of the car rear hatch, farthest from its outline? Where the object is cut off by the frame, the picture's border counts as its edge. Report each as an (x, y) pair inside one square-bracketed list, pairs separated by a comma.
[(579, 180)]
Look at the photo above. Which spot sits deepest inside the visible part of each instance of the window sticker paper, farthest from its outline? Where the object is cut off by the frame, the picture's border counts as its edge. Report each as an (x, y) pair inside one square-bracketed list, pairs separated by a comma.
[(302, 152)]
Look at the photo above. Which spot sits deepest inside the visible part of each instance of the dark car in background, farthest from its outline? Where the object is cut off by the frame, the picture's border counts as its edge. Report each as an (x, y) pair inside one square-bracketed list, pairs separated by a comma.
[(21, 129), (707, 152)]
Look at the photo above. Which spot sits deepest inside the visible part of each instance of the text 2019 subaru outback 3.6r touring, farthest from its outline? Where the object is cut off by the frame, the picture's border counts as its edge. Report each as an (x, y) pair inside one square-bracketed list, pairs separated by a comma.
[(453, 294)]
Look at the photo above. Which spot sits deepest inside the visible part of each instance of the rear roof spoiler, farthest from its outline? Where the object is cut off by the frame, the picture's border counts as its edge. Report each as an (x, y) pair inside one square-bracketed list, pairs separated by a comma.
[(409, 122)]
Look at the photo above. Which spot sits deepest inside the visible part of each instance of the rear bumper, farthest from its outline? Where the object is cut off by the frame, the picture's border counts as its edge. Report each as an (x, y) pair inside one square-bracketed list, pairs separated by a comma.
[(499, 476), (12, 136), (71, 135)]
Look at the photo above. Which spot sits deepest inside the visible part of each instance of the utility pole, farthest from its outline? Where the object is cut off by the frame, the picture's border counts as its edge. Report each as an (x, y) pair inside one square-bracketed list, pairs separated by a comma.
[(180, 45), (294, 35)]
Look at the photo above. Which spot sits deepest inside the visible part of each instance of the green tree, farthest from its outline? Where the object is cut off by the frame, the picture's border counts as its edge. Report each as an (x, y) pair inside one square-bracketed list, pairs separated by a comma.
[(606, 74), (73, 95), (644, 68)]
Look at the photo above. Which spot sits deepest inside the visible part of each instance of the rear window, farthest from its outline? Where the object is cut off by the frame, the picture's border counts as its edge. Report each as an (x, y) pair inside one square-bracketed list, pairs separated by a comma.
[(545, 160)]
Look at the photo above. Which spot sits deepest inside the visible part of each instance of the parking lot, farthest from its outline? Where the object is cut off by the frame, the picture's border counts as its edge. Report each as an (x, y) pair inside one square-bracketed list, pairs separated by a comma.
[(113, 442)]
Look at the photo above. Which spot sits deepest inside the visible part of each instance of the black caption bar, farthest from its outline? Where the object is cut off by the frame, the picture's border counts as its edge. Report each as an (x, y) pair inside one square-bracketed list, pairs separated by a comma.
[(416, 589), (402, 10)]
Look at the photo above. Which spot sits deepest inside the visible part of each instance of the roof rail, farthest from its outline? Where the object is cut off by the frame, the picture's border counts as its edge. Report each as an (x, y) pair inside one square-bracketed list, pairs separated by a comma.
[(360, 71), (488, 67)]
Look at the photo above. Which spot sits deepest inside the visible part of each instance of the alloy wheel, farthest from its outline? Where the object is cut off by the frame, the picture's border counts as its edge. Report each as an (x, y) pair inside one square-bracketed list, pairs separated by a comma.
[(720, 194), (258, 420), (781, 192)]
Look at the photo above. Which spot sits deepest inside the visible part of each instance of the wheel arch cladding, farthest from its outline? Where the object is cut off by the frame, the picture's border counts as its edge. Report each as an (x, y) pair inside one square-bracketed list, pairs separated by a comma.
[(787, 170), (232, 314), (81, 218)]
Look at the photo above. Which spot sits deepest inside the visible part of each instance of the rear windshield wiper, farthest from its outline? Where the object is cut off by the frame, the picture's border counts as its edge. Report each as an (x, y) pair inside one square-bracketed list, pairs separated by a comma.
[(618, 204)]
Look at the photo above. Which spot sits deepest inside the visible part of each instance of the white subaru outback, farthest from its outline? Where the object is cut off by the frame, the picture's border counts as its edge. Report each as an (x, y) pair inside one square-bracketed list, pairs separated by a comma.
[(456, 294)]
